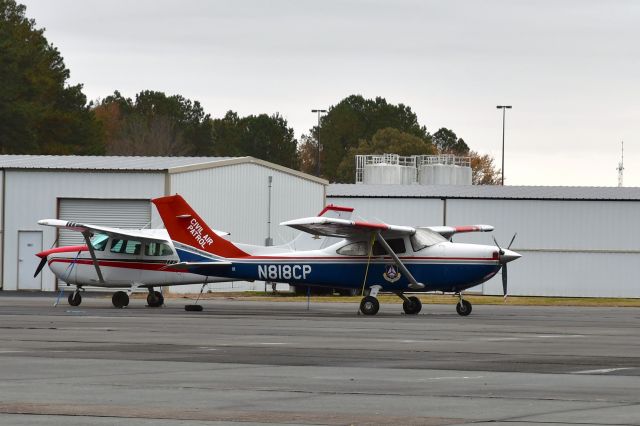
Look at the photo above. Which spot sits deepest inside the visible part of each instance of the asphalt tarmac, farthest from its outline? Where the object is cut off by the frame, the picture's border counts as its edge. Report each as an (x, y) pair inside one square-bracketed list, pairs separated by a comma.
[(256, 363)]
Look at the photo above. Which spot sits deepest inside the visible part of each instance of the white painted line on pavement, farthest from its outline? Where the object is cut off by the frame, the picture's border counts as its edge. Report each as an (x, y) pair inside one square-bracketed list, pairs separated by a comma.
[(601, 371)]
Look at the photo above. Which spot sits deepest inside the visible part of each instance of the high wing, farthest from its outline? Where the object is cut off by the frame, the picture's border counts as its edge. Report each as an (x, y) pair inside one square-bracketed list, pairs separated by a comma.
[(342, 228), (95, 229), (144, 235), (448, 231)]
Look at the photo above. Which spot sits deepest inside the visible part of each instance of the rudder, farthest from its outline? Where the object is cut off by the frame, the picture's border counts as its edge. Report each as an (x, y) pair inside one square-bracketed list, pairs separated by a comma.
[(185, 226)]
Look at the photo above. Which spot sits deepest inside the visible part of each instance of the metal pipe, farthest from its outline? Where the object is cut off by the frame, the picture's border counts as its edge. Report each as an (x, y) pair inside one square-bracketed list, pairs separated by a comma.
[(269, 240)]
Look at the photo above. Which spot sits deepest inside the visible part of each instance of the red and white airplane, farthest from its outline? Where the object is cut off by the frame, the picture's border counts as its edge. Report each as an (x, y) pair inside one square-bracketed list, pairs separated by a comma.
[(136, 258), (367, 256)]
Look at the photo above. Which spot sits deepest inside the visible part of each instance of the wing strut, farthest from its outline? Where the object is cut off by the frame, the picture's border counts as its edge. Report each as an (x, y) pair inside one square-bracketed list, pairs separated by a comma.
[(93, 256), (415, 285)]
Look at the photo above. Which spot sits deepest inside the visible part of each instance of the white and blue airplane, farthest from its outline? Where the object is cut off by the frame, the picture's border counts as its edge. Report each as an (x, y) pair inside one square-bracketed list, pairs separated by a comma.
[(371, 257)]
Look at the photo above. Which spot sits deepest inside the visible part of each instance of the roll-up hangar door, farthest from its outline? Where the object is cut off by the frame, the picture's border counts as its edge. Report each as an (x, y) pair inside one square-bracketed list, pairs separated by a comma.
[(135, 214)]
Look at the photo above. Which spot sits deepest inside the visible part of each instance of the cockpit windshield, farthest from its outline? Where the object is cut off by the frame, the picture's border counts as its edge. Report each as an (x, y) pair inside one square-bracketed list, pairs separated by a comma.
[(425, 238), (99, 241)]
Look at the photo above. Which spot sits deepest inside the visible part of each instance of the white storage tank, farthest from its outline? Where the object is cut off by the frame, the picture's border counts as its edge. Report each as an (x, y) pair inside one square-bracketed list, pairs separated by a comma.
[(444, 174), (388, 174), (464, 176)]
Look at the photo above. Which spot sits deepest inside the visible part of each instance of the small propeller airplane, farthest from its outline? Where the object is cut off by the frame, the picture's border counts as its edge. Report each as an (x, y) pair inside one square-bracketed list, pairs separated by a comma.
[(368, 256), (136, 258)]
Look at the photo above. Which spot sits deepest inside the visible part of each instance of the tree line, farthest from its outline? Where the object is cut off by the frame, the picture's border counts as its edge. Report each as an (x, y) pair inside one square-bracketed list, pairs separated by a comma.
[(40, 113)]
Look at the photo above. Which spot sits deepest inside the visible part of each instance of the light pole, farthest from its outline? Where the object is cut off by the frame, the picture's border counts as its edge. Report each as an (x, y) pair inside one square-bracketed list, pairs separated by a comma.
[(319, 111), (503, 108)]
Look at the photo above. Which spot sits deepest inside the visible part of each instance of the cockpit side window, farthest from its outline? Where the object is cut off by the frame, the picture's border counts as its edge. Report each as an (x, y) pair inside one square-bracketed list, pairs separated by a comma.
[(99, 242), (396, 244), (425, 238), (125, 246), (359, 248), (157, 249)]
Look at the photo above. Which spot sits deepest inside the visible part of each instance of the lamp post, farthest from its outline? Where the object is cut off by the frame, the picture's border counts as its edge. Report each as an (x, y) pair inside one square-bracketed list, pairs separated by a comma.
[(319, 111), (503, 108)]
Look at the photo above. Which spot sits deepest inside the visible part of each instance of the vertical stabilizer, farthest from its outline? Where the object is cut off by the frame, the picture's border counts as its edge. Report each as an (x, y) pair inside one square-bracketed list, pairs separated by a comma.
[(185, 226)]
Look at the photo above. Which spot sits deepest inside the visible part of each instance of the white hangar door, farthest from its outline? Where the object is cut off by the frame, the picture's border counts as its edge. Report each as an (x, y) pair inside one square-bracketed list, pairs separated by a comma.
[(135, 214)]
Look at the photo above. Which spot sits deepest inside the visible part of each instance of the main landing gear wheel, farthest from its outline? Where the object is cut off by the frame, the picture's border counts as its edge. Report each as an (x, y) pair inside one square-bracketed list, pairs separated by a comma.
[(369, 305), (463, 307), (412, 305), (120, 299), (74, 298), (155, 299), (193, 308)]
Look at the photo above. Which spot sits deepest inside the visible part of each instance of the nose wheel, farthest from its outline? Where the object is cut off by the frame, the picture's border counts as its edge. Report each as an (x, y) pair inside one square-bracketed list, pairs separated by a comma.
[(463, 307), (75, 298)]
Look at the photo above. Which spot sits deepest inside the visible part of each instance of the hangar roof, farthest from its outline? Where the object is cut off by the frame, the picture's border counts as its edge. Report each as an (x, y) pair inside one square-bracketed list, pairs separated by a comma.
[(126, 163), (484, 192), (95, 162)]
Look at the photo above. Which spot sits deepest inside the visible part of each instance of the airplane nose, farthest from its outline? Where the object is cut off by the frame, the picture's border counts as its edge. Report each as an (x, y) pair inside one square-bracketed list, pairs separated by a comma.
[(509, 255)]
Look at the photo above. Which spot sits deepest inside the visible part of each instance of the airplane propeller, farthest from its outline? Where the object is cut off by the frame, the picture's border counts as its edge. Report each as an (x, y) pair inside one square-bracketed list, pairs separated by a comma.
[(503, 261), (40, 266)]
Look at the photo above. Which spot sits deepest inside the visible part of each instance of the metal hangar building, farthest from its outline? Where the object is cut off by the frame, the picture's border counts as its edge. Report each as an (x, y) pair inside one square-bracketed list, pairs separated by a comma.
[(239, 195), (575, 241)]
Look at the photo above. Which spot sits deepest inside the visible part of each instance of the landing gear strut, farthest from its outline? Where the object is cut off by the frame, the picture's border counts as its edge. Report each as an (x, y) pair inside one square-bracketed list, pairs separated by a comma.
[(120, 299), (155, 299), (463, 307)]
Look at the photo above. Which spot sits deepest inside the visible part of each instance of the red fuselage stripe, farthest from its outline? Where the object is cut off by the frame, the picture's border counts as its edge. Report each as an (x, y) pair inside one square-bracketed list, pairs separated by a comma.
[(159, 267)]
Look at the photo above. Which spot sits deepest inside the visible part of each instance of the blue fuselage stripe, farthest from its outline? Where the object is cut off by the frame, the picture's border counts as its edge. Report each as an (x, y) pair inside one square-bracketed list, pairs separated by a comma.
[(436, 274)]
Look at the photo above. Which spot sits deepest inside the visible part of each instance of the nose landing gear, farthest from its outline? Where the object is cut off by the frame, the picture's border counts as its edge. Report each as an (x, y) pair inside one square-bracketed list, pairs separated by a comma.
[(463, 307), (75, 298)]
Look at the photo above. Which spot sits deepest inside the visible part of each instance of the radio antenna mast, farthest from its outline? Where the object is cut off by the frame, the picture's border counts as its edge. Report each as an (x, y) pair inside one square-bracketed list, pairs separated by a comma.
[(621, 168)]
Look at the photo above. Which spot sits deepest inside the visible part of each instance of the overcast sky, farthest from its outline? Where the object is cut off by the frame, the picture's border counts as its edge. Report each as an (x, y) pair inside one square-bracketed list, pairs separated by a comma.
[(571, 69)]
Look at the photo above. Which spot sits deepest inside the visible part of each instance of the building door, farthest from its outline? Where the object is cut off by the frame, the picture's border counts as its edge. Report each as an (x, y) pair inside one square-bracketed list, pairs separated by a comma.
[(118, 213), (29, 244)]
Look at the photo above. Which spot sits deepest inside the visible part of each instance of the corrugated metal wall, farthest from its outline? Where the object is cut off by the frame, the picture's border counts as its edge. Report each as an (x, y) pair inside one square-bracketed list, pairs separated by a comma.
[(132, 214), (235, 199), (407, 211), (569, 248), (32, 195)]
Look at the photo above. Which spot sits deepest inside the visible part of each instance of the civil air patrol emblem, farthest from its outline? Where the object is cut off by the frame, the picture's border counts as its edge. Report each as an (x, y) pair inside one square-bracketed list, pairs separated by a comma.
[(391, 274)]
